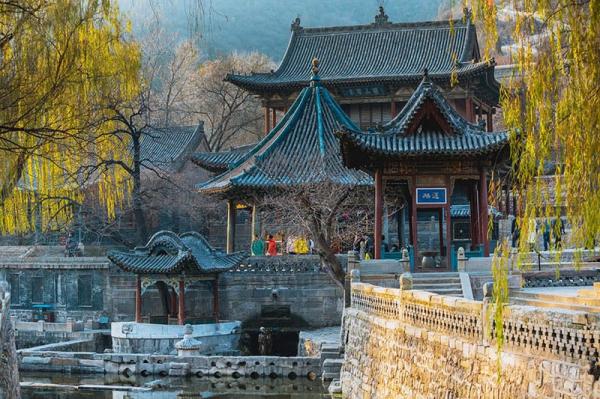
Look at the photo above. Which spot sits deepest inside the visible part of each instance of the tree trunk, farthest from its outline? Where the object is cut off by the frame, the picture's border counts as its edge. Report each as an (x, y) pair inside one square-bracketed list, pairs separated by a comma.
[(138, 210), (9, 370)]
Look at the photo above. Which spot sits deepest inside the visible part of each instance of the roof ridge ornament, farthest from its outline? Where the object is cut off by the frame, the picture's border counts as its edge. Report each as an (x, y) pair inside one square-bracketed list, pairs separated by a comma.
[(296, 25), (381, 18), (315, 70)]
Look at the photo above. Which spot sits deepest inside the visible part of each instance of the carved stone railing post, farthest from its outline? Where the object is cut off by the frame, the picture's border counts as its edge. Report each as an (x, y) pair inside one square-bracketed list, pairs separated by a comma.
[(405, 261), (9, 364), (461, 260), (406, 281)]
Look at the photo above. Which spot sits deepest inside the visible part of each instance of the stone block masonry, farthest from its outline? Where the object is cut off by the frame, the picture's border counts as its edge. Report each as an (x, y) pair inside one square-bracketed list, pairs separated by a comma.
[(414, 344)]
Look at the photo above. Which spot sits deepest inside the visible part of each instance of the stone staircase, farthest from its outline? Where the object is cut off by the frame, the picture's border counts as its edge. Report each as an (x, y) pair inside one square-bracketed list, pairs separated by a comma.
[(447, 283)]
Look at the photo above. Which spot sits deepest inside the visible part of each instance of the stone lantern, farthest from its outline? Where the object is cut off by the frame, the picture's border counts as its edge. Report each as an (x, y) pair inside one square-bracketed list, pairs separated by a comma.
[(188, 346)]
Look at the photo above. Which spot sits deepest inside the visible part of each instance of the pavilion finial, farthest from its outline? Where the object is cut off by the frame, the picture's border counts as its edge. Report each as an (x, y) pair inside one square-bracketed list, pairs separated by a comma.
[(381, 18), (296, 25), (315, 66)]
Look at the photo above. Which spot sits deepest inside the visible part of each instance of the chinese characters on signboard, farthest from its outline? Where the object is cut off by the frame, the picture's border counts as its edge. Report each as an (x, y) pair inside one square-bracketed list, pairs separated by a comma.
[(431, 196)]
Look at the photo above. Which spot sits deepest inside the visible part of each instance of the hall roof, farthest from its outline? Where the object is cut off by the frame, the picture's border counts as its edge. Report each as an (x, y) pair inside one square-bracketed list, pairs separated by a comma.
[(301, 149), (380, 52), (168, 148), (427, 126), (221, 161), (168, 253)]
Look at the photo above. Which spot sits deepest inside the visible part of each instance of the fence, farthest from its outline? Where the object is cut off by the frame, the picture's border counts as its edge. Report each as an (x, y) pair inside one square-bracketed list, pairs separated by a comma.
[(542, 331)]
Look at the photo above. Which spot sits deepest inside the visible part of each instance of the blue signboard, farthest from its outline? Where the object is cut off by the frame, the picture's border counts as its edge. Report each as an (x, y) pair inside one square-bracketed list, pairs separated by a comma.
[(431, 196)]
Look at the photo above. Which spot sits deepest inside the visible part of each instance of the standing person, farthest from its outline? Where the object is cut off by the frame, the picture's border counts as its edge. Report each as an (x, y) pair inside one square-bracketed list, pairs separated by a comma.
[(546, 235), (271, 246), (258, 246), (311, 246), (363, 249)]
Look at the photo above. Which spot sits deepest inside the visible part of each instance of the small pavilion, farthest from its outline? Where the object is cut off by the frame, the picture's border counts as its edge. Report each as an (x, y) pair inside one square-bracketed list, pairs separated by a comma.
[(426, 153), (300, 149), (172, 263)]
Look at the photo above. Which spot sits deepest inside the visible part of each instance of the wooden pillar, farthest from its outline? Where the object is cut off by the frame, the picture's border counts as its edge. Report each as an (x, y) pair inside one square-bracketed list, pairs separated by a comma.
[(215, 291), (490, 123), (230, 226), (413, 220), (469, 109), (138, 299), (267, 127), (393, 109), (173, 301), (273, 117), (483, 203), (448, 233), (474, 211), (378, 213), (181, 313), (506, 200)]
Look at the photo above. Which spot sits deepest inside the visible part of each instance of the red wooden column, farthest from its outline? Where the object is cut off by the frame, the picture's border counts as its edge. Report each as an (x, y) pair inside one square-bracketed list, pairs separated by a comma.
[(490, 123), (474, 208), (215, 290), (483, 204), (138, 299), (393, 109), (267, 120), (274, 117), (378, 212), (173, 300), (231, 218), (413, 220), (469, 109), (181, 314)]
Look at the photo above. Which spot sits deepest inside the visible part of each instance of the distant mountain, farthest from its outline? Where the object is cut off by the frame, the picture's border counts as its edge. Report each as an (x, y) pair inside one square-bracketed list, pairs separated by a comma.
[(264, 25)]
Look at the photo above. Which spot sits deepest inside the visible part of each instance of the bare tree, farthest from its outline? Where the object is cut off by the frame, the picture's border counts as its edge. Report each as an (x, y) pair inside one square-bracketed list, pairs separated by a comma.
[(231, 114), (330, 213), (9, 371)]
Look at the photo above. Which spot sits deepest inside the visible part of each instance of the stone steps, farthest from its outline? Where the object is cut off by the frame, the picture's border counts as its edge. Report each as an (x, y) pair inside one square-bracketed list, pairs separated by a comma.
[(584, 301), (331, 369), (446, 283)]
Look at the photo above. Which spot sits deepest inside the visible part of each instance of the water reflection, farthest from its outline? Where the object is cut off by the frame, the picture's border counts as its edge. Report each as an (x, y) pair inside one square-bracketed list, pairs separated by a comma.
[(65, 386)]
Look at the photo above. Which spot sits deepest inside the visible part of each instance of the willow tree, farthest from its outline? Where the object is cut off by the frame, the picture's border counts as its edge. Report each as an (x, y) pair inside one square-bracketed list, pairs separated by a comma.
[(59, 61), (551, 107)]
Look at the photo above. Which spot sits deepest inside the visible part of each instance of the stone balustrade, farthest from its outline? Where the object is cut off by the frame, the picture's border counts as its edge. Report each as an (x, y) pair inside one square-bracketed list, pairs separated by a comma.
[(543, 331), (283, 264)]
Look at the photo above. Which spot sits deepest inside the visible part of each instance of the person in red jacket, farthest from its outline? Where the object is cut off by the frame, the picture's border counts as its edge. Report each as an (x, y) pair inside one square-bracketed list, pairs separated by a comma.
[(271, 246)]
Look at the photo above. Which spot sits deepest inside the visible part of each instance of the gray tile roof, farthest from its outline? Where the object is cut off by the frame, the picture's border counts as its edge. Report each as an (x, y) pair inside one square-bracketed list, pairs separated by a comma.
[(220, 161), (378, 52), (168, 148), (301, 149), (168, 253), (398, 140)]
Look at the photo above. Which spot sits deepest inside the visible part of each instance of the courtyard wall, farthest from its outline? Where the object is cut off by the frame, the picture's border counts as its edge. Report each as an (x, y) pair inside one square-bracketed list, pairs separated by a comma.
[(414, 344)]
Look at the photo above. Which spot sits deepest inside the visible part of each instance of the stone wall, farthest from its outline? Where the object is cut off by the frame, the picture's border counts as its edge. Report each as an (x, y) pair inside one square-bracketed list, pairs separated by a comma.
[(414, 344), (292, 282)]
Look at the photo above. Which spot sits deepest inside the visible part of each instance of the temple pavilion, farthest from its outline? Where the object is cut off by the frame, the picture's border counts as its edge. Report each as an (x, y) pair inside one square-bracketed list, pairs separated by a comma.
[(430, 154), (372, 69), (172, 263), (370, 73), (301, 149)]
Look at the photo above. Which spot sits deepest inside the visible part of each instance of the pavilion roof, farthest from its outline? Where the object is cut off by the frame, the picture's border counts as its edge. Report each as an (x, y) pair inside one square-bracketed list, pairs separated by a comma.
[(169, 147), (221, 161), (301, 149), (405, 136), (380, 52), (168, 253)]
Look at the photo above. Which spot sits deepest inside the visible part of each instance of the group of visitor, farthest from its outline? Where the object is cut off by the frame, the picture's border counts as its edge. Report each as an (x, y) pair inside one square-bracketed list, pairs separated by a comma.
[(552, 233), (293, 245), (363, 244)]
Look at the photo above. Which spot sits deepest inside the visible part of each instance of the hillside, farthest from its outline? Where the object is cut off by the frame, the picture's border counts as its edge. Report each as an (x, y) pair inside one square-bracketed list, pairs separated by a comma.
[(264, 25)]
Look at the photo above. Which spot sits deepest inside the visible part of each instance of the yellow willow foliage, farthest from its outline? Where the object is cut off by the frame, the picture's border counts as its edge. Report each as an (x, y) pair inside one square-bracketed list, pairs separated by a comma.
[(553, 110), (65, 60)]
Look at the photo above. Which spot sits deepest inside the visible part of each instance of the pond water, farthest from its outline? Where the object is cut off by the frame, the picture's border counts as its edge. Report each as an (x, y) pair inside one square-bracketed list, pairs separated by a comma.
[(65, 386)]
